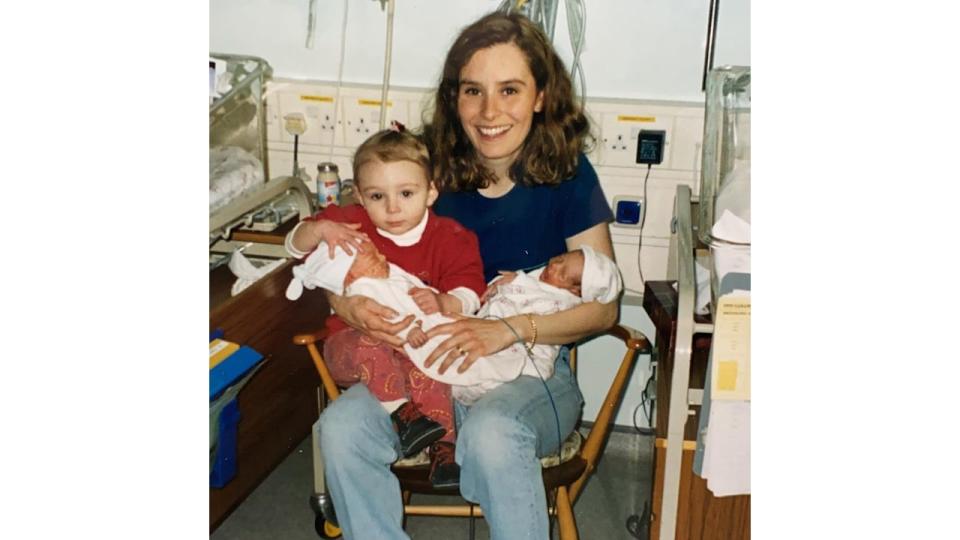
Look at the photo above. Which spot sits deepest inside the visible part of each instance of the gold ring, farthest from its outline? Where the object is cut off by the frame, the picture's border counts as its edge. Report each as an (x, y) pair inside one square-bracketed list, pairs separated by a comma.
[(460, 350)]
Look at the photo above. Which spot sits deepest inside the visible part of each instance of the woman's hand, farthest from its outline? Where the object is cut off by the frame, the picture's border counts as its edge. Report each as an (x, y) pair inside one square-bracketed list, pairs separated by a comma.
[(470, 338), (504, 278), (370, 317)]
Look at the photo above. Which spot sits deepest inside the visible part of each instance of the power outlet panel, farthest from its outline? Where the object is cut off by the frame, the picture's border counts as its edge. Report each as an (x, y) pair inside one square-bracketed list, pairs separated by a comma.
[(318, 107), (361, 116), (619, 132)]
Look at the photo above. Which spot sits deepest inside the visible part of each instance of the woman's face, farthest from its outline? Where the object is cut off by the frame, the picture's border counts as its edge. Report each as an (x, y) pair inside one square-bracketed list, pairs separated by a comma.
[(496, 102)]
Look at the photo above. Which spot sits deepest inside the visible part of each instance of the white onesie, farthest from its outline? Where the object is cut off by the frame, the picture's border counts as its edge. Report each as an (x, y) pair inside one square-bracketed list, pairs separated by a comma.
[(525, 294)]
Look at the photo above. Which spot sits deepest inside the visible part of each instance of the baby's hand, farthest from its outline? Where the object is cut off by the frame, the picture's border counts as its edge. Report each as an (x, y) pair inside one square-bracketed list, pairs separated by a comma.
[(416, 337), (336, 234), (427, 300), (504, 278)]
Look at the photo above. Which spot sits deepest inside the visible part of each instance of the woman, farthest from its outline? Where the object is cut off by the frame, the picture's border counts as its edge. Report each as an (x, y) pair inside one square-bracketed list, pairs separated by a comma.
[(507, 137)]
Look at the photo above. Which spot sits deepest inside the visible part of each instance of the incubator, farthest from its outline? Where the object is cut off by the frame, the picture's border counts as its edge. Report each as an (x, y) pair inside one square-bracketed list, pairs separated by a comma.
[(724, 209), (237, 115), (243, 200)]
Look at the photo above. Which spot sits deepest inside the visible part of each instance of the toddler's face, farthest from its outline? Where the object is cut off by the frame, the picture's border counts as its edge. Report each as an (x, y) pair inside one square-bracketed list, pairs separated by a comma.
[(565, 271), (395, 195), (369, 263)]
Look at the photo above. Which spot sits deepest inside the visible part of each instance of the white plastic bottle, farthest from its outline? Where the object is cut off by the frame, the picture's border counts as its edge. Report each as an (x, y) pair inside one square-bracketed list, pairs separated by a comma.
[(328, 184)]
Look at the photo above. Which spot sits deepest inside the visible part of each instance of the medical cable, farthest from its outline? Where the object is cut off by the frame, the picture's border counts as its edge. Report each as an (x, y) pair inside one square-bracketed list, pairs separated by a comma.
[(336, 100), (543, 13), (647, 396), (643, 219), (534, 267), (311, 24), (556, 415)]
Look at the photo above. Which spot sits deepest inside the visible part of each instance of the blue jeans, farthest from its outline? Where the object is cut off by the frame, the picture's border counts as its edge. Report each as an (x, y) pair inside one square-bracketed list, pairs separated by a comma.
[(500, 439)]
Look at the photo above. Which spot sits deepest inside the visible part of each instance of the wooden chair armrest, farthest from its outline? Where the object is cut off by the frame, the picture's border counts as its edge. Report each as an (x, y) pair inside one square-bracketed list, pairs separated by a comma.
[(634, 339), (307, 339)]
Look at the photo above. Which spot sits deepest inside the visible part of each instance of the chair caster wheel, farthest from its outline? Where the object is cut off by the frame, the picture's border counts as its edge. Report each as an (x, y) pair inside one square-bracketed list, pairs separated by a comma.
[(325, 529)]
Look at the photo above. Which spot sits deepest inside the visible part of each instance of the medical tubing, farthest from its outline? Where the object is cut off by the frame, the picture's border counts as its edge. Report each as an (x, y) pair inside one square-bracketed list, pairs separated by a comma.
[(556, 415), (576, 23), (388, 54), (336, 100), (311, 24)]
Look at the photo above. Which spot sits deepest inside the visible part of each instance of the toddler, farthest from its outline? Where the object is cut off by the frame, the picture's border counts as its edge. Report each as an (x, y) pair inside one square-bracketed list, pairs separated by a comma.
[(392, 174)]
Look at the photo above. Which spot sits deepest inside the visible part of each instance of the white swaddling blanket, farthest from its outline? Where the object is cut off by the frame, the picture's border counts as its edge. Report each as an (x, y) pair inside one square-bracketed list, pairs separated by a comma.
[(525, 294), (234, 172)]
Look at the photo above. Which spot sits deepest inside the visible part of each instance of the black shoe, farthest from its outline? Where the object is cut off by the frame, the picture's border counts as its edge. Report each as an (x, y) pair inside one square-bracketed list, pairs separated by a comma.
[(444, 471), (416, 431)]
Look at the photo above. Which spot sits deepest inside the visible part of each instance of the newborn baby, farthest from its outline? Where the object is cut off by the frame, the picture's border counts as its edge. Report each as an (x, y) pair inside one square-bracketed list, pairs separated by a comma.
[(582, 275)]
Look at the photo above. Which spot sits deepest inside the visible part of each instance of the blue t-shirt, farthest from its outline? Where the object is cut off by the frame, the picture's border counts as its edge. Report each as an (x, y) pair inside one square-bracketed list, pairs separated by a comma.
[(530, 224)]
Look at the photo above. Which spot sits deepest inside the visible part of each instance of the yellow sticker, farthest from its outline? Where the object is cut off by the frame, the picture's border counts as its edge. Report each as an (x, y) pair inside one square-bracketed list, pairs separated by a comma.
[(373, 102), (325, 99), (727, 375), (628, 118), (220, 350)]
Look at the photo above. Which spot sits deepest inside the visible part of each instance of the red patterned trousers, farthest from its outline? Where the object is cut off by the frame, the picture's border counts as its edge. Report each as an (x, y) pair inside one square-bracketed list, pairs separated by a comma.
[(354, 357)]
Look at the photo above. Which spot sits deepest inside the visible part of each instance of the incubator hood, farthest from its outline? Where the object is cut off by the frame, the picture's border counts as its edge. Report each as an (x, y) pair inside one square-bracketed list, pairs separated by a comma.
[(725, 175)]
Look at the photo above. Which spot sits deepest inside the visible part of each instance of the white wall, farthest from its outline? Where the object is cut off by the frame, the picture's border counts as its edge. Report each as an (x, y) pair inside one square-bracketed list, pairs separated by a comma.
[(639, 49)]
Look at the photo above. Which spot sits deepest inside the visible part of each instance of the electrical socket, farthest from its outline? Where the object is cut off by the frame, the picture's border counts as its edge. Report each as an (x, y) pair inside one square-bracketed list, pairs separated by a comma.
[(361, 117), (619, 133), (318, 108)]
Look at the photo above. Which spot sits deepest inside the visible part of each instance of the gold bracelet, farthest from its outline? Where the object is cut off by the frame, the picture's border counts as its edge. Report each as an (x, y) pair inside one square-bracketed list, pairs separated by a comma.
[(533, 340)]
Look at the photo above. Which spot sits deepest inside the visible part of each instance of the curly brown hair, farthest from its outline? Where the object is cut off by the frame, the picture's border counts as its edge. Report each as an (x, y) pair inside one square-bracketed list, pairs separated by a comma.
[(560, 131)]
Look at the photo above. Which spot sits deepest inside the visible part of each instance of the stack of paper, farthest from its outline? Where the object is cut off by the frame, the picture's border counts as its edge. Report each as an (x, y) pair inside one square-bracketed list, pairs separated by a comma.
[(726, 454)]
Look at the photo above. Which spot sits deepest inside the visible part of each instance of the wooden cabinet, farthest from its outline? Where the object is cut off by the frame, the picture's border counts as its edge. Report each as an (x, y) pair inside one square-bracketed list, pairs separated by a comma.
[(279, 403), (700, 515)]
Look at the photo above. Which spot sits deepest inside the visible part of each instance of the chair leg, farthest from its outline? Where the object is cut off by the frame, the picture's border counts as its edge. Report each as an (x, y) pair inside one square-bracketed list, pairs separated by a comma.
[(473, 524), (405, 497), (568, 525)]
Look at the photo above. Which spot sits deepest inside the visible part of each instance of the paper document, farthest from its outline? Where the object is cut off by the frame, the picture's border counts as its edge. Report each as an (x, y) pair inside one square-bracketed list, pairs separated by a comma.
[(730, 376), (726, 456)]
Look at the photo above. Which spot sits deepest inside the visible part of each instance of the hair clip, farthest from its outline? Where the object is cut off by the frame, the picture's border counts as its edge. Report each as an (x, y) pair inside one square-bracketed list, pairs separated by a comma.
[(397, 126)]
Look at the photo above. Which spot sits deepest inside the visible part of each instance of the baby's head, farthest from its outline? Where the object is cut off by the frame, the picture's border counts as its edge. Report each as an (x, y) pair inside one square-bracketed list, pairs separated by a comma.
[(335, 273), (565, 271), (392, 174), (586, 273), (368, 263)]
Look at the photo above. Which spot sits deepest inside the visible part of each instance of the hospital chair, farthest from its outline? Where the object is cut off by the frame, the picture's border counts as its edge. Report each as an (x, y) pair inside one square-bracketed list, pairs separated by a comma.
[(564, 474)]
